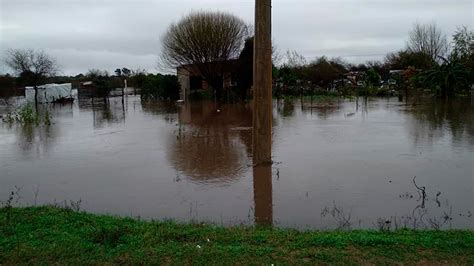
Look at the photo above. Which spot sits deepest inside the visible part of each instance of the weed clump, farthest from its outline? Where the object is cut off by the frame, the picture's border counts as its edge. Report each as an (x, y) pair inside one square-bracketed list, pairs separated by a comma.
[(27, 115)]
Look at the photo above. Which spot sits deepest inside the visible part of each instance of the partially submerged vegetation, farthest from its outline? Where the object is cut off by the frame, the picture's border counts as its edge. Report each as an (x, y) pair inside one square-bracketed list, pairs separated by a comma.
[(27, 115), (45, 235)]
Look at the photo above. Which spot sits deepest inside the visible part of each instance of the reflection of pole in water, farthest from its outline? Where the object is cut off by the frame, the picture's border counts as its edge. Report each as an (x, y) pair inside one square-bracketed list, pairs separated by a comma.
[(123, 105), (262, 189), (365, 106)]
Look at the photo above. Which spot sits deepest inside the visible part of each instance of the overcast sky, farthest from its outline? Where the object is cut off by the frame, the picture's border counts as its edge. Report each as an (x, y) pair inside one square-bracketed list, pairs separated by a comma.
[(107, 34)]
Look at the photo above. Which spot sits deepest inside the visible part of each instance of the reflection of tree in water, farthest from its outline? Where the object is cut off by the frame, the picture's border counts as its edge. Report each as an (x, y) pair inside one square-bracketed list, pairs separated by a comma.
[(37, 139), (40, 138), (434, 119), (286, 107), (212, 146), (322, 107), (324, 111), (104, 113), (166, 108)]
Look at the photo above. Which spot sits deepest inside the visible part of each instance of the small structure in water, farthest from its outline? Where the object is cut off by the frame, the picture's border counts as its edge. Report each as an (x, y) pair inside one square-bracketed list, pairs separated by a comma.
[(192, 80), (93, 89), (87, 90), (50, 93)]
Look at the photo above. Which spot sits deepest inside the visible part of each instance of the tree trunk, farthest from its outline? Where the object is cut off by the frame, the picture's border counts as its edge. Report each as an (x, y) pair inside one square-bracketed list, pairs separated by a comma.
[(36, 95)]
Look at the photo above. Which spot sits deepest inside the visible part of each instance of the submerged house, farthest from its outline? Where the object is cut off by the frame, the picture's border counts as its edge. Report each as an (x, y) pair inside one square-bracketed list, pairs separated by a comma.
[(49, 93), (87, 89), (101, 88), (192, 80)]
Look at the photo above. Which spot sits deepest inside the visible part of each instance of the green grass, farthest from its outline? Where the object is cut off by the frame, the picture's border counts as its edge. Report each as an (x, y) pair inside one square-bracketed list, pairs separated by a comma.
[(46, 235)]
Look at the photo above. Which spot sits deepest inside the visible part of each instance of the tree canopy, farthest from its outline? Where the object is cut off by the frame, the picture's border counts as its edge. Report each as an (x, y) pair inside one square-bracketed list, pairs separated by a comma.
[(206, 40), (428, 39), (30, 65)]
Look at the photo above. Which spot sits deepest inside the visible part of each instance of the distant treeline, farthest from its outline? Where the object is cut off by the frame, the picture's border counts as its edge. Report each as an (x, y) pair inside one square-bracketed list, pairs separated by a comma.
[(155, 86), (429, 63)]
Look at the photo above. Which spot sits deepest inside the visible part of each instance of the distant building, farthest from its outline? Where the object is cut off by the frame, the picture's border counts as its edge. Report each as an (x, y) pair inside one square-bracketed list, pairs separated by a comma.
[(354, 77), (396, 72), (49, 93), (87, 89), (192, 80)]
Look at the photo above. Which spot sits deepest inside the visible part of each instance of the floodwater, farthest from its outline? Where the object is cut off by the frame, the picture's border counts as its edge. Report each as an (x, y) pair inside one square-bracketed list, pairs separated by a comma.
[(344, 164)]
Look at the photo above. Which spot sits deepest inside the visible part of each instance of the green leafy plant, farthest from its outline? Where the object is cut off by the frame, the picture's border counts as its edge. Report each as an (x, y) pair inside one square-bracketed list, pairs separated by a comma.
[(47, 118), (372, 77), (160, 87), (27, 115), (447, 79)]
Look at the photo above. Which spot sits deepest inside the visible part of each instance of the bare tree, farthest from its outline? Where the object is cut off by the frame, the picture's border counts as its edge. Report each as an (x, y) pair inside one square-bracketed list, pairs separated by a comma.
[(428, 39), (205, 40), (32, 66), (463, 43), (404, 59), (295, 60)]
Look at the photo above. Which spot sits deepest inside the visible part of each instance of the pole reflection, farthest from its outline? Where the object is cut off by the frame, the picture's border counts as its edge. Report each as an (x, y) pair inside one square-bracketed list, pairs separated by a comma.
[(263, 198)]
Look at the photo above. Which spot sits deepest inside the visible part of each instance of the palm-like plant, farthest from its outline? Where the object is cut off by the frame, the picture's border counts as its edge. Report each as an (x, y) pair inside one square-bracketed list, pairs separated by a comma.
[(448, 78)]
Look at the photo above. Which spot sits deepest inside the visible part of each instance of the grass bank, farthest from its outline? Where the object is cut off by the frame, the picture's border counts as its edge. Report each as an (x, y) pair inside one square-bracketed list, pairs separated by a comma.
[(45, 235)]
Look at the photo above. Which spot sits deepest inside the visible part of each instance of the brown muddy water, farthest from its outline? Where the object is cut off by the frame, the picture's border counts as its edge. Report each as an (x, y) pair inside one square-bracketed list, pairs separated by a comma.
[(343, 164)]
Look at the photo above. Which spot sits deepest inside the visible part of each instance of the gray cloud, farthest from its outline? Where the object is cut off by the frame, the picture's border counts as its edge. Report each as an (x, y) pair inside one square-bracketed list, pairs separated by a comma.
[(108, 34)]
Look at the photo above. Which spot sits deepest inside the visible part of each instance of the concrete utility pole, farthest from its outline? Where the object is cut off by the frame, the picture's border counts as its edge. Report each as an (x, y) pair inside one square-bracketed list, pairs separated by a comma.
[(262, 83)]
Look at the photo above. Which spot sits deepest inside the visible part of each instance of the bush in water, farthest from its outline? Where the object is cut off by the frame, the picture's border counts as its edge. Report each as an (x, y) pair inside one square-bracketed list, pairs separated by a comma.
[(27, 115), (160, 87)]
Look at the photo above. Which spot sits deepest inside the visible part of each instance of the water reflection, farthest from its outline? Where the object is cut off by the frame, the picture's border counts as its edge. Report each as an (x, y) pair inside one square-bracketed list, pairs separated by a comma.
[(286, 107), (210, 143), (154, 159), (104, 113), (263, 194), (37, 140), (324, 108), (431, 121), (166, 108)]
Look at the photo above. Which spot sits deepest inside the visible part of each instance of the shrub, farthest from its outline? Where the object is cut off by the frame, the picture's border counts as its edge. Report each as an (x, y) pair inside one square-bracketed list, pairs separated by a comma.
[(160, 87), (27, 115)]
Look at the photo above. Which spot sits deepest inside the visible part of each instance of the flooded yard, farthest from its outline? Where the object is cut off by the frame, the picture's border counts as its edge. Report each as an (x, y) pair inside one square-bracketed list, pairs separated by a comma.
[(361, 163)]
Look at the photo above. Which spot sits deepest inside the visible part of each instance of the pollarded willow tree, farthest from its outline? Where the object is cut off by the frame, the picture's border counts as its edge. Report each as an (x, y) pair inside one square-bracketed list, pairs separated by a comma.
[(206, 41)]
